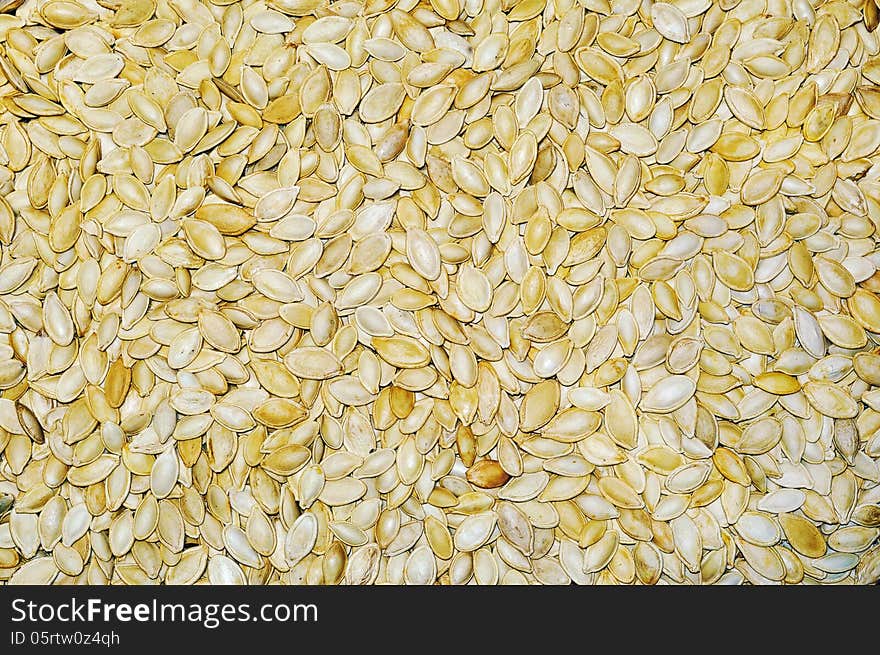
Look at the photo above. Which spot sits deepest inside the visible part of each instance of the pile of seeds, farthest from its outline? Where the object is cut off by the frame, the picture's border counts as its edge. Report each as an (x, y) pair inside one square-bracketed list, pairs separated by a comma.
[(439, 291)]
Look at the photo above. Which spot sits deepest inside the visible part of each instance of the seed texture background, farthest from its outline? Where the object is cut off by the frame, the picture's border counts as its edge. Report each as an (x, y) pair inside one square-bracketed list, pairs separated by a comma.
[(439, 292)]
